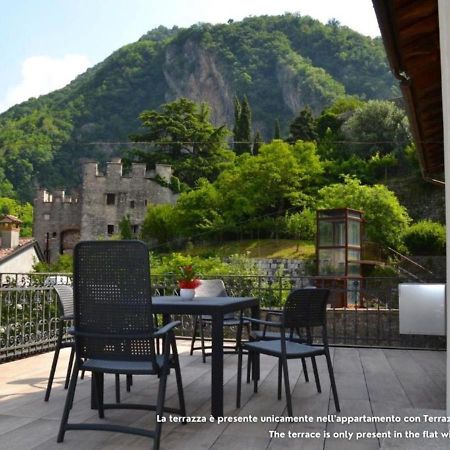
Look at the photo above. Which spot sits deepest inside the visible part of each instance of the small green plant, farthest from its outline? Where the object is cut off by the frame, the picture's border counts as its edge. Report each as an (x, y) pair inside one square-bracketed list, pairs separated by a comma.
[(125, 229)]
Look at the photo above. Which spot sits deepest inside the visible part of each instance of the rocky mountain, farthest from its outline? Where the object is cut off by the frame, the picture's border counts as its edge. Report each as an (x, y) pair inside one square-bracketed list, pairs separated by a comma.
[(280, 63)]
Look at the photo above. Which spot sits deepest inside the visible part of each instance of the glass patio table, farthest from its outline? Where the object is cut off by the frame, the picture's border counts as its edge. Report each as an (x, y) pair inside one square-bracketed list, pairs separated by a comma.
[(216, 307)]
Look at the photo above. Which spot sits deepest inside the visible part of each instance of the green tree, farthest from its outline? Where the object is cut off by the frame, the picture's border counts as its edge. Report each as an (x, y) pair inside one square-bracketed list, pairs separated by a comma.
[(199, 210), (270, 182), (301, 225), (385, 218), (303, 127), (242, 127), (377, 126), (182, 135), (23, 211), (160, 224)]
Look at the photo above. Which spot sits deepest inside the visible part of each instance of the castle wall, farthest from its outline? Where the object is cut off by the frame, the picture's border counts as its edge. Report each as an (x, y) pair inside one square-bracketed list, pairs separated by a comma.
[(54, 214), (104, 200), (107, 199)]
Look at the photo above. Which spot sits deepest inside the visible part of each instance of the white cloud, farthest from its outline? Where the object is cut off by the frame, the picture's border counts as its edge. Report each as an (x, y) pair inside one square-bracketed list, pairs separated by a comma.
[(43, 74)]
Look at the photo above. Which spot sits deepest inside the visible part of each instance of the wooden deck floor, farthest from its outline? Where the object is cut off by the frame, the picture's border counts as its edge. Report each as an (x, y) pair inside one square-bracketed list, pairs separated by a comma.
[(371, 382)]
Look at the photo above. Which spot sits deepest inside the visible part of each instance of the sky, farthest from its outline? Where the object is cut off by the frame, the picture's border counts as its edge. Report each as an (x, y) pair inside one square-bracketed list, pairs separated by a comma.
[(44, 44)]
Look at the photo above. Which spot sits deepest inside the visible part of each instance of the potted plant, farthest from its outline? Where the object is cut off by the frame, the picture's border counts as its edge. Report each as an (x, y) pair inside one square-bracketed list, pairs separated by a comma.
[(188, 281)]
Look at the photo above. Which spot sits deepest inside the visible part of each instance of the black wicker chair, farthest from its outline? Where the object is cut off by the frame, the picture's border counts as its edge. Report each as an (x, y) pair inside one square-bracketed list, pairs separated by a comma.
[(65, 304), (304, 308), (214, 288), (114, 332)]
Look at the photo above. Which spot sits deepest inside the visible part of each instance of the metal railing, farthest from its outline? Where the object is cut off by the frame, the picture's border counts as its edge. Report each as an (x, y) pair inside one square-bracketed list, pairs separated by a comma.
[(29, 316)]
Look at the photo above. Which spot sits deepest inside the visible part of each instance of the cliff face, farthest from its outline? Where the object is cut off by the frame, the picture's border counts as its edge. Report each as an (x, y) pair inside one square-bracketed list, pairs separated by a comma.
[(196, 72), (192, 72)]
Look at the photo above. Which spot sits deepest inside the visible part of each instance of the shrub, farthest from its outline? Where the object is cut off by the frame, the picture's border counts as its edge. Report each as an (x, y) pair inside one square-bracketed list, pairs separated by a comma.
[(425, 238), (206, 267), (301, 225)]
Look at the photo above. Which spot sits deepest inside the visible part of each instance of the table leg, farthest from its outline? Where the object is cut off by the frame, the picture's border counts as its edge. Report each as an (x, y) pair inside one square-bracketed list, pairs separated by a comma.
[(217, 365)]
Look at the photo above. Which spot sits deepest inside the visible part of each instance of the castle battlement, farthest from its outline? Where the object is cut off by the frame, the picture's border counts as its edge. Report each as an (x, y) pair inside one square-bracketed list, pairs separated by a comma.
[(56, 196), (114, 170)]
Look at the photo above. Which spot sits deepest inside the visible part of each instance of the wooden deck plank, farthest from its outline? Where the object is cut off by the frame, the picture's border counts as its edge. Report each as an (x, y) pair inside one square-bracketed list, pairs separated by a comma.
[(413, 377), (382, 382), (369, 381)]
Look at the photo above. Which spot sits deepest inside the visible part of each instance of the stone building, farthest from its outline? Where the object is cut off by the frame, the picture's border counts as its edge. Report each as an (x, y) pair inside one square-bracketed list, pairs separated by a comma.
[(103, 200)]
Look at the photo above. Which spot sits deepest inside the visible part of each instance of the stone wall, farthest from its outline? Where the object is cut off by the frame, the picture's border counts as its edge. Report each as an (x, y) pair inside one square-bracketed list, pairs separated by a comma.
[(272, 266)]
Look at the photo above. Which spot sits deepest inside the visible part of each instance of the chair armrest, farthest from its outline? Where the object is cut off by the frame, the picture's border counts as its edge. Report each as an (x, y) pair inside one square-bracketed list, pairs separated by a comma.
[(263, 322), (166, 328)]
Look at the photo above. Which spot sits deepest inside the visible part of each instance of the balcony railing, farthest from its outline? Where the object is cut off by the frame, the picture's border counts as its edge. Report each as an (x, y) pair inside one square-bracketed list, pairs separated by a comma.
[(29, 311)]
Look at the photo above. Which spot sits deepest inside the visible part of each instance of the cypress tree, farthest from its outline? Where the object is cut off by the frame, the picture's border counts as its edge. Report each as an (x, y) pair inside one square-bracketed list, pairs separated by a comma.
[(277, 131), (245, 127), (257, 142), (303, 127), (236, 129)]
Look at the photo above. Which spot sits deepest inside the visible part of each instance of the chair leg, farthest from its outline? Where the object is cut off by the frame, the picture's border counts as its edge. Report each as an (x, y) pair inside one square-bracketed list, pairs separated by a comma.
[(194, 334), (54, 363), (280, 376), (82, 375), (202, 338), (176, 363), (239, 377), (287, 386), (117, 376), (68, 404), (254, 374), (249, 367), (160, 407), (69, 367), (332, 380), (305, 370), (98, 380), (316, 373), (129, 382)]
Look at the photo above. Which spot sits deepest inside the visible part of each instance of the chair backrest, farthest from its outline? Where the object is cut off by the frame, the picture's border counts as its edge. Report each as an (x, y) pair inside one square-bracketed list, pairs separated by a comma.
[(112, 301), (306, 308), (211, 288), (65, 298)]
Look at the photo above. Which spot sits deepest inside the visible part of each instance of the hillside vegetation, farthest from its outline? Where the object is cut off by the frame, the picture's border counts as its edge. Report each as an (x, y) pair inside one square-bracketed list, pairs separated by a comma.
[(256, 248), (281, 64)]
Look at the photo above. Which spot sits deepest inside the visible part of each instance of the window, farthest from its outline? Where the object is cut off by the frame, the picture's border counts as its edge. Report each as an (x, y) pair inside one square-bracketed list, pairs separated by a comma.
[(46, 216), (132, 204), (54, 234), (110, 230), (145, 202), (110, 199), (135, 229)]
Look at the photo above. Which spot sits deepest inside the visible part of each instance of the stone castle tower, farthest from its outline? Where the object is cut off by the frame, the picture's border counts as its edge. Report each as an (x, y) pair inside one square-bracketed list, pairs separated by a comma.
[(103, 200)]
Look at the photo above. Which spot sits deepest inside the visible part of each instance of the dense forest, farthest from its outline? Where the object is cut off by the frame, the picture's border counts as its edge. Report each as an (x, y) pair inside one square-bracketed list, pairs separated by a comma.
[(280, 65)]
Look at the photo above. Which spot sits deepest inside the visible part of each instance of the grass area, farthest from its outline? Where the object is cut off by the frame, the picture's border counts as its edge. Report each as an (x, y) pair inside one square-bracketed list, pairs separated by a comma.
[(262, 248)]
